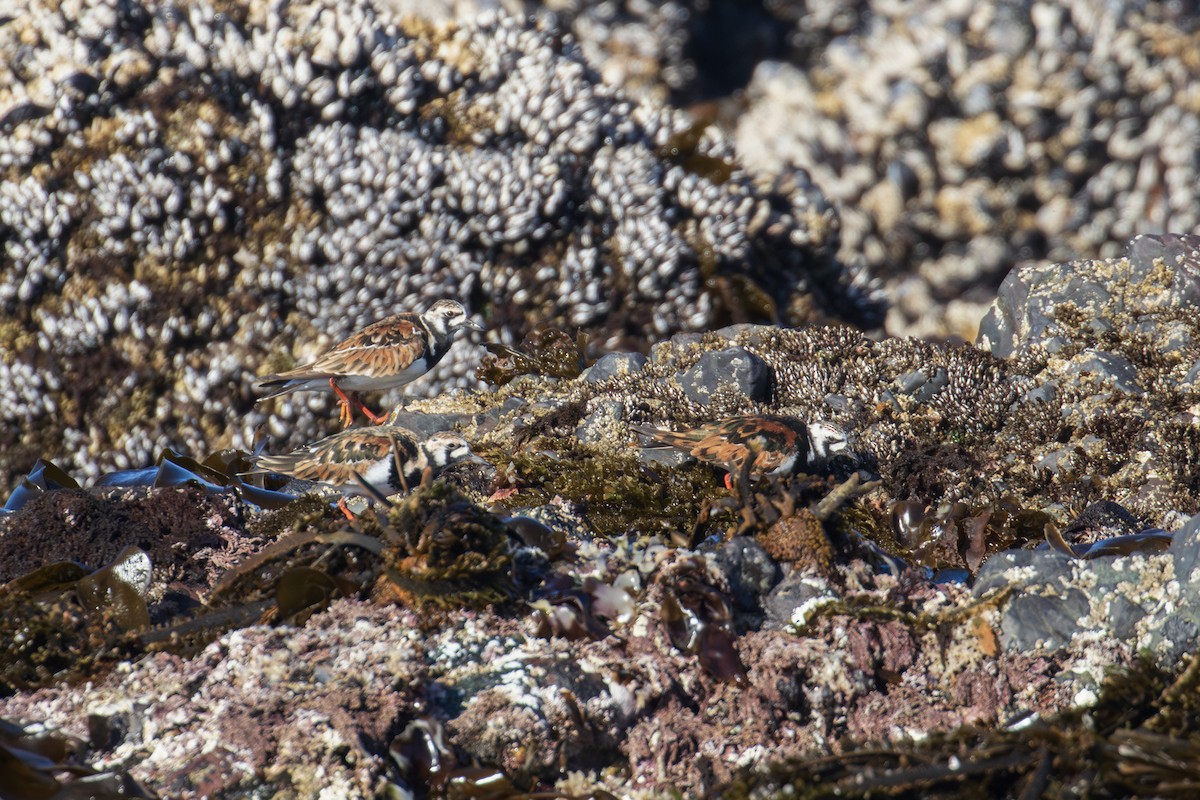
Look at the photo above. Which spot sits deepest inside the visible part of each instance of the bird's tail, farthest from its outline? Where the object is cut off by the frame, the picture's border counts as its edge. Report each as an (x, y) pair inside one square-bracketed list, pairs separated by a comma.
[(657, 436), (281, 386)]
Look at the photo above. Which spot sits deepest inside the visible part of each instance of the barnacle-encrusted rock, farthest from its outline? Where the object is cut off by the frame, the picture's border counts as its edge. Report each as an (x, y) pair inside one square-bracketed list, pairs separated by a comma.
[(1146, 598), (734, 369), (1143, 293), (193, 194), (961, 139)]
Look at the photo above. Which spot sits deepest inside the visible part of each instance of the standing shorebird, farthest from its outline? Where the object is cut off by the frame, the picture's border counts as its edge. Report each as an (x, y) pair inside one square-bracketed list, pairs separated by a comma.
[(389, 353), (774, 445), (388, 459)]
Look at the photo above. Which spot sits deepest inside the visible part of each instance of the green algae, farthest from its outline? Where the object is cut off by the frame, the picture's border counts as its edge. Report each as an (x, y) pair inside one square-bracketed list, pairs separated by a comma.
[(617, 492)]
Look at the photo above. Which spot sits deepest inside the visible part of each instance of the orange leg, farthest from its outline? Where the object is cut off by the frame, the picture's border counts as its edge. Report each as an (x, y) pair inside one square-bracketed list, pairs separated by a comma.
[(347, 415), (350, 403), (378, 419), (345, 509)]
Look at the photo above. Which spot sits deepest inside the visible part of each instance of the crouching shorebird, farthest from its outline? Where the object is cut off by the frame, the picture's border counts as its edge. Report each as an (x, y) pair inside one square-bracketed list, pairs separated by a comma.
[(389, 353), (774, 445), (388, 459)]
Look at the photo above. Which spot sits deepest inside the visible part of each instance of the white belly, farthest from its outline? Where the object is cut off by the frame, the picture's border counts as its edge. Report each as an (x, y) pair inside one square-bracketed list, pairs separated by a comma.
[(376, 475), (379, 383)]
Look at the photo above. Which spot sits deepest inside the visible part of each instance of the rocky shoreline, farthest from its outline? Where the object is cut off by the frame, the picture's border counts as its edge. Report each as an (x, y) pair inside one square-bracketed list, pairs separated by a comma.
[(994, 591), (585, 633)]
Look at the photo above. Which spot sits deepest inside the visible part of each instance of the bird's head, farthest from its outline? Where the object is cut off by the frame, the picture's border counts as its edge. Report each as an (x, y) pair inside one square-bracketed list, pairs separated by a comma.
[(445, 317)]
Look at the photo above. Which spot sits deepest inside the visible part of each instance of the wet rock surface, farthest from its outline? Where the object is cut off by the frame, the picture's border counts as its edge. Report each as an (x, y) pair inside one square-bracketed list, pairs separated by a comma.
[(581, 621)]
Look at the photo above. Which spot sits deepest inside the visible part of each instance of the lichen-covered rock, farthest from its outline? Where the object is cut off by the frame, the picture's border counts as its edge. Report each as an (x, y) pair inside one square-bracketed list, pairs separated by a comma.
[(194, 194), (1158, 277)]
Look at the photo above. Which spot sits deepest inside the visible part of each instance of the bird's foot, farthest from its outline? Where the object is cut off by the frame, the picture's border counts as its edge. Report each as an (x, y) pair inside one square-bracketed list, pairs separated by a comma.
[(347, 413), (377, 419)]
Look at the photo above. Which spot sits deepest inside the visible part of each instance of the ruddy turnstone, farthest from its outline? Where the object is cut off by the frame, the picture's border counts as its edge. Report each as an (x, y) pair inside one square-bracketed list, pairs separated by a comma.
[(335, 460), (389, 353), (774, 444)]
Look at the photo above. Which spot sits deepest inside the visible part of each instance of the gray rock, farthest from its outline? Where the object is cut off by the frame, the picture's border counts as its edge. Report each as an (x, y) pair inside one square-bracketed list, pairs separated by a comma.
[(1173, 337), (748, 331), (1193, 375), (1180, 634), (921, 386), (1038, 566), (1144, 601), (1045, 612), (752, 573), (427, 424), (1058, 461), (1159, 273), (1110, 367), (598, 425), (734, 367), (842, 404), (1125, 615), (1045, 393), (1186, 549), (1041, 622), (797, 592), (1023, 312), (1178, 251), (611, 365), (664, 457)]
